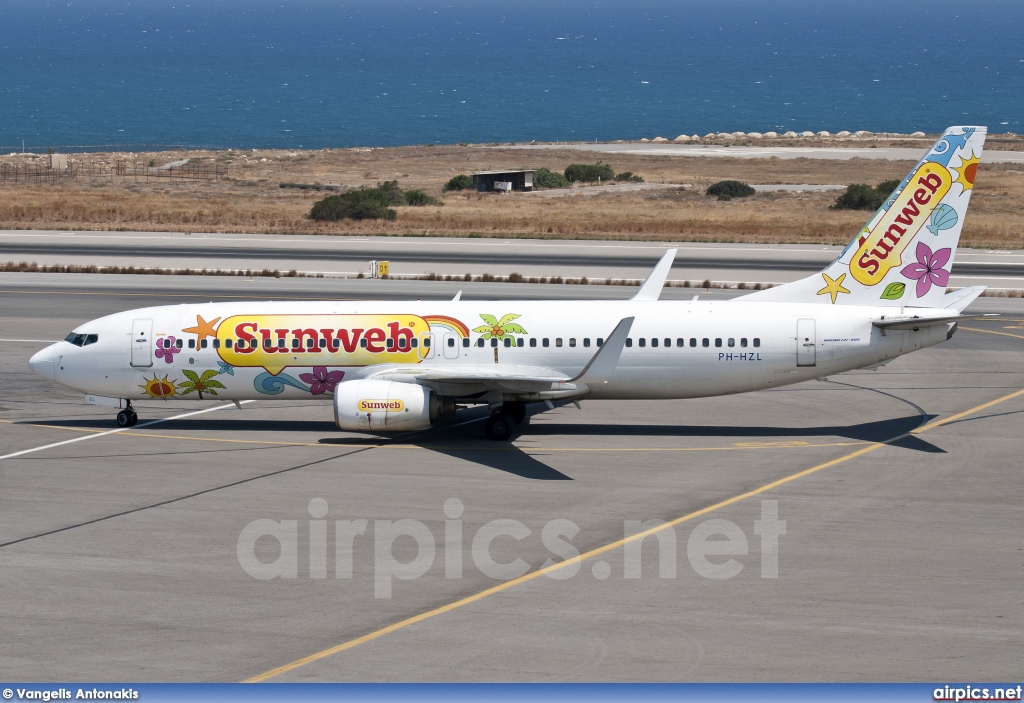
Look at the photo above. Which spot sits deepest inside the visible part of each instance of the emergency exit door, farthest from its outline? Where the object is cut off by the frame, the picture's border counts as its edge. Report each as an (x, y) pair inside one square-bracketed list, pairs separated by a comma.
[(806, 343)]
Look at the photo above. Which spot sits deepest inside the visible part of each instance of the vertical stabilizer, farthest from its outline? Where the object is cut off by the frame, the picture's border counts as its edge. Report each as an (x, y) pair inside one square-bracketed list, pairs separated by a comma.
[(903, 255)]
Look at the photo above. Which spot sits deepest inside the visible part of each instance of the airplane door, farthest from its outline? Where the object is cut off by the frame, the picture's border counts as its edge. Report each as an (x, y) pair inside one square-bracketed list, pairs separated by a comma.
[(806, 342), (451, 346), (142, 343)]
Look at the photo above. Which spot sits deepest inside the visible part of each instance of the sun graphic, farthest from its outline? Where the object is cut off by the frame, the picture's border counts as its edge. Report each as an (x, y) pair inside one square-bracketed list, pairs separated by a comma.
[(158, 387), (967, 172)]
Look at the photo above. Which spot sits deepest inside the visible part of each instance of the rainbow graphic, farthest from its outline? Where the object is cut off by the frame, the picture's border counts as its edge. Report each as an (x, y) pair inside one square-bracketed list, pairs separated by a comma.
[(449, 323)]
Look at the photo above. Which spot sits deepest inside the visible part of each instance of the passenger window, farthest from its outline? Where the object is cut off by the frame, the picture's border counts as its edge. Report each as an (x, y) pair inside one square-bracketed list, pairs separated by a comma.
[(480, 342), (643, 341), (693, 341), (179, 343), (391, 343), (520, 342), (216, 344), (586, 341), (266, 343), (629, 341), (508, 341), (718, 341), (558, 341), (362, 343), (705, 342), (533, 341), (336, 343), (732, 342), (680, 342), (228, 343), (192, 343), (310, 343), (426, 343), (546, 342), (465, 341), (757, 341), (295, 343), (668, 342), (494, 341), (600, 341), (415, 342), (280, 343), (654, 341), (743, 341), (451, 342), (323, 343), (203, 344), (572, 341)]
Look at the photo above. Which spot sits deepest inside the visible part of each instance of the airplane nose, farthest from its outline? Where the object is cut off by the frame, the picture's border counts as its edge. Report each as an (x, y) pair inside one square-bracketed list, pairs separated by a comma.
[(42, 363)]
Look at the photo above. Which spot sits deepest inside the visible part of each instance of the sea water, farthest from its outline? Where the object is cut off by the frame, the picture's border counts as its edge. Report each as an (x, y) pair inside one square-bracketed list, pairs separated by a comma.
[(325, 73)]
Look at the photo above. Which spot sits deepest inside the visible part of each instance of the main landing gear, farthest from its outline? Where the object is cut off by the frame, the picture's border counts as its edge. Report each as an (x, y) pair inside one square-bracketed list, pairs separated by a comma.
[(502, 422), (127, 417)]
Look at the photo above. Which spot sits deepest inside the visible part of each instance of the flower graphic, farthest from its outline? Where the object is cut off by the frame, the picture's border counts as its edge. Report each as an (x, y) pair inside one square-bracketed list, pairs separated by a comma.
[(226, 368), (927, 270), (321, 380), (166, 350), (499, 328)]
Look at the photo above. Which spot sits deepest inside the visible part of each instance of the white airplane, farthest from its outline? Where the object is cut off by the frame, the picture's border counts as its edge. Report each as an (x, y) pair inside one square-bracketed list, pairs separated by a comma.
[(408, 365)]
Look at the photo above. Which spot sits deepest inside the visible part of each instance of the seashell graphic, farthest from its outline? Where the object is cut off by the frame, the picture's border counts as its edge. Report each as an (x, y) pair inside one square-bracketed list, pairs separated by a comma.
[(944, 217)]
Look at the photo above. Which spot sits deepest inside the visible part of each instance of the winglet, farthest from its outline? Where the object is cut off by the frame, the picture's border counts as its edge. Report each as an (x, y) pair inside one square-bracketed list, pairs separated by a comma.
[(655, 281), (602, 365), (458, 296)]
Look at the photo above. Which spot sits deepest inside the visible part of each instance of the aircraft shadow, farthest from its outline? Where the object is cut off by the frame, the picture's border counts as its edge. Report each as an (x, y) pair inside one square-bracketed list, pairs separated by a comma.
[(878, 431)]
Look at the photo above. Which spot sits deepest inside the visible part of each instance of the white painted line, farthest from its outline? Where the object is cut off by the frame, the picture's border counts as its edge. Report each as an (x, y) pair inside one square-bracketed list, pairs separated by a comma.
[(120, 429), (41, 341)]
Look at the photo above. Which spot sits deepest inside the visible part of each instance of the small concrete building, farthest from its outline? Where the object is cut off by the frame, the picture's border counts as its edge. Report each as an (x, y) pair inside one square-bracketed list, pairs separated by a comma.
[(502, 181)]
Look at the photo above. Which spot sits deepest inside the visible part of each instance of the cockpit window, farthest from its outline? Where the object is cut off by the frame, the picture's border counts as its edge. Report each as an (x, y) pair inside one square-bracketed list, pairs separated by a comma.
[(91, 339), (76, 339)]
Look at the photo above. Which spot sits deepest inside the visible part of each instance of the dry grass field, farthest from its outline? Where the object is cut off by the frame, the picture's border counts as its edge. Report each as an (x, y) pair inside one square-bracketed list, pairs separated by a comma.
[(249, 199)]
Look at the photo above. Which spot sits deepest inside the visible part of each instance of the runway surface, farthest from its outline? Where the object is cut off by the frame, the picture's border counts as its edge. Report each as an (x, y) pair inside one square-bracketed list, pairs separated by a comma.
[(900, 490), (347, 256), (767, 152)]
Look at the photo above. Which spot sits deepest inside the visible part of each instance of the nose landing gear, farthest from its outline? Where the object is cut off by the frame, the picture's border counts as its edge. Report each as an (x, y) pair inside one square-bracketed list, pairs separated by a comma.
[(127, 417)]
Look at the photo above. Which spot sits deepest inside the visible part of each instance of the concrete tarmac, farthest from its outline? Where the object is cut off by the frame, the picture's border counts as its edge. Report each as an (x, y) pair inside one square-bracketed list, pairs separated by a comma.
[(901, 558), (348, 256)]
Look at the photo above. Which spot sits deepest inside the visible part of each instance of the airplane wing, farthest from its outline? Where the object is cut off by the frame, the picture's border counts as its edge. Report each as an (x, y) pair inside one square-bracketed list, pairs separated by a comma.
[(462, 380)]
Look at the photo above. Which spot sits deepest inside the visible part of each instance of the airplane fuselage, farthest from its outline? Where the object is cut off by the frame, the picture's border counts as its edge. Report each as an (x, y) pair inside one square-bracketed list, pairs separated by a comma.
[(302, 350)]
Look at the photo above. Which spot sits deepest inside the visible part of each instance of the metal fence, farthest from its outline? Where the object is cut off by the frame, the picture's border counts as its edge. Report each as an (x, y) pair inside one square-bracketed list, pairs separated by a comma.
[(120, 170)]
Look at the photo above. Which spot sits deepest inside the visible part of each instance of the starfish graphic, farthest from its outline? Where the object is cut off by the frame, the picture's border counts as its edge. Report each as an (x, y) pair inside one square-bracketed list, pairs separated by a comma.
[(833, 286), (203, 329)]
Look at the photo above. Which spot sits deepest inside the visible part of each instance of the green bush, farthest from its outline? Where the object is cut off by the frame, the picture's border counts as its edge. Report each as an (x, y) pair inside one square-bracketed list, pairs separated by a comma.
[(418, 198), (727, 190), (362, 204), (460, 182), (589, 173), (546, 178), (390, 193), (860, 196), (628, 177)]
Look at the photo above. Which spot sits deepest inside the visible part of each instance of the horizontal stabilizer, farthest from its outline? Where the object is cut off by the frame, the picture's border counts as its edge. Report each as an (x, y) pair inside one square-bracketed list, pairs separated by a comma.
[(960, 299), (916, 323)]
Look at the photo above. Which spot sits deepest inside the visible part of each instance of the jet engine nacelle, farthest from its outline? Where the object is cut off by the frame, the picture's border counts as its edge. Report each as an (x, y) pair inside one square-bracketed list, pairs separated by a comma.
[(368, 405)]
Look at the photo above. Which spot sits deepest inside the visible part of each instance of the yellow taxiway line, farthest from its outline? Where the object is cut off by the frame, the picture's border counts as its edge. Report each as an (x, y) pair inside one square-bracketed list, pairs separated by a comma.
[(462, 602)]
